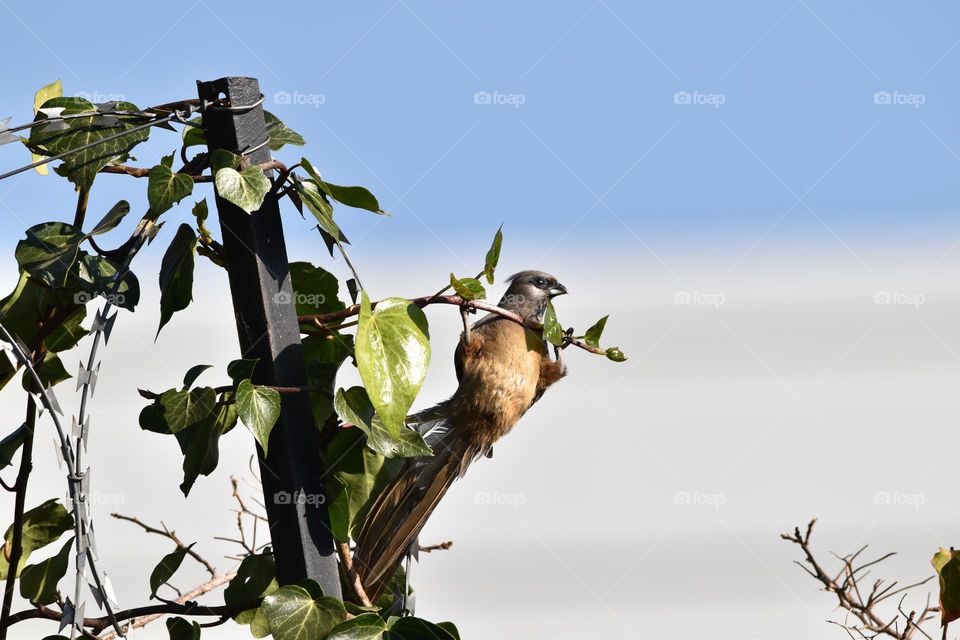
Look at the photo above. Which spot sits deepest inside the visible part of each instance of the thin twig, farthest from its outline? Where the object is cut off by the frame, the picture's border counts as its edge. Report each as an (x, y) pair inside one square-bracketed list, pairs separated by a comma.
[(83, 197), (851, 600), (153, 395), (353, 580), (140, 616), (328, 321), (144, 172), (346, 258), (170, 535)]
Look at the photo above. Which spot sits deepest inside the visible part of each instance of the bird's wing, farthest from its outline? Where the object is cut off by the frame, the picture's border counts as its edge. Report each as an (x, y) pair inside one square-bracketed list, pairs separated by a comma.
[(476, 327)]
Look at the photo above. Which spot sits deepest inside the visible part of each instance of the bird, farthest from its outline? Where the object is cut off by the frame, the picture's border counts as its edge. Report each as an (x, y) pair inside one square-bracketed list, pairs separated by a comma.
[(503, 368)]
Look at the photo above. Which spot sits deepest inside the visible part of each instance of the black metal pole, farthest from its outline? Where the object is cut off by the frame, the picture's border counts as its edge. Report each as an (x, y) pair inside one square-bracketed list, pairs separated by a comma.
[(258, 269)]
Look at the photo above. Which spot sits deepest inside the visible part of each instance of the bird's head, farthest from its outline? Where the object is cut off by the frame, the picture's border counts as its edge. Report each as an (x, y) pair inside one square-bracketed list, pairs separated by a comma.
[(529, 293)]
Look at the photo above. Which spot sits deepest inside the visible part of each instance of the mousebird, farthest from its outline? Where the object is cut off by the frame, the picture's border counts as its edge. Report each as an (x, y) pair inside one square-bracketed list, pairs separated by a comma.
[(503, 369)]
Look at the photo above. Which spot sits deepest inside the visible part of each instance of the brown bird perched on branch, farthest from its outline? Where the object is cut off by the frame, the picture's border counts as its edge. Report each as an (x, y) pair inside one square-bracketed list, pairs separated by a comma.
[(503, 368)]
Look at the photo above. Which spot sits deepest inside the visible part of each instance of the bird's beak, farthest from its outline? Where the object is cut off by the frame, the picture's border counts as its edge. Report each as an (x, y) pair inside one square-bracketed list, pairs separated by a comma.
[(557, 290)]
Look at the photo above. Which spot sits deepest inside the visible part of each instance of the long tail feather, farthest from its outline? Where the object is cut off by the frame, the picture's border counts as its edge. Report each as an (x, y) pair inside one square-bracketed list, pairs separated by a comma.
[(402, 509)]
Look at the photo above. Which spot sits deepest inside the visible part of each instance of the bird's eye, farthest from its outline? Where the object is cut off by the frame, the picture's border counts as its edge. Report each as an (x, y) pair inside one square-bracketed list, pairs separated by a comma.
[(540, 282)]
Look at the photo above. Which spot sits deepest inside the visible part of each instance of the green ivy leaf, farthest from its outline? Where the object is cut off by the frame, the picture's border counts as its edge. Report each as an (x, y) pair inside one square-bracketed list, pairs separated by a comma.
[(49, 251), (167, 566), (42, 525), (38, 582), (614, 353), (193, 373), (361, 476), (322, 357), (354, 406), (947, 564), (81, 168), (315, 290), (450, 628), (246, 188), (392, 353), (67, 335), (241, 369), (468, 288), (176, 274), (493, 255), (44, 93), (180, 629), (7, 371), (280, 134), (357, 197), (410, 628), (112, 219), (367, 626), (593, 334), (320, 208), (552, 329), (338, 509), (255, 578), (331, 349), (51, 254), (165, 188), (201, 212), (11, 444), (259, 625), (259, 409), (223, 159), (24, 310), (50, 371), (182, 409), (98, 277), (294, 614), (200, 443), (193, 136)]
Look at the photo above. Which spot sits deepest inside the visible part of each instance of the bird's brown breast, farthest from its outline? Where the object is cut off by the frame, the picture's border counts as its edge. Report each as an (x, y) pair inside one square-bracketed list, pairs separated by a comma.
[(501, 371)]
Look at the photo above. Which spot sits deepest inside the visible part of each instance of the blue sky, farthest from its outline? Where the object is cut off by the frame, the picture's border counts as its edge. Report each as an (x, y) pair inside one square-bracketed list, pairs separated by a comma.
[(587, 136)]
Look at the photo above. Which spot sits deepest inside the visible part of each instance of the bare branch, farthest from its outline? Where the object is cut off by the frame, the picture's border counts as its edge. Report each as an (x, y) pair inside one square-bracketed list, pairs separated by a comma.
[(170, 535), (329, 321), (869, 623), (353, 580), (140, 616)]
